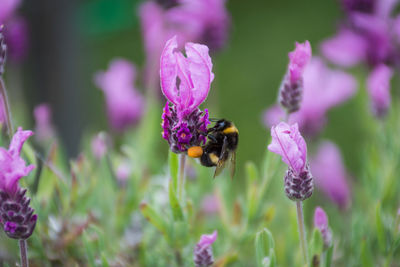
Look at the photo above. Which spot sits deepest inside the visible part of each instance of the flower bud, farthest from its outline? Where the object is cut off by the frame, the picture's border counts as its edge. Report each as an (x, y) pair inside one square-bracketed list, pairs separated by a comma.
[(298, 186)]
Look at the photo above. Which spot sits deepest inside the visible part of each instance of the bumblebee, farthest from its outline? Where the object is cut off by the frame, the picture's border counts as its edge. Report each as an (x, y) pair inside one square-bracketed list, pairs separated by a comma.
[(222, 141)]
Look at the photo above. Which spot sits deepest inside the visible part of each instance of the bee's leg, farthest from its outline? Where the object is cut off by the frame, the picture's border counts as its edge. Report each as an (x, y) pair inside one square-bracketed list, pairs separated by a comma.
[(212, 137)]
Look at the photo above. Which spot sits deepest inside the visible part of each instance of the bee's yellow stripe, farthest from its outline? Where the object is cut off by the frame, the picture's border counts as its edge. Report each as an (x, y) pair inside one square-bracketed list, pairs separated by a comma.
[(231, 129), (214, 158)]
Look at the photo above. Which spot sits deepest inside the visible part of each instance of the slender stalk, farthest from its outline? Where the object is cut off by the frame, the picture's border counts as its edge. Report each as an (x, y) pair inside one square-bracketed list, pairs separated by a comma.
[(181, 176), (23, 249), (302, 230), (7, 109)]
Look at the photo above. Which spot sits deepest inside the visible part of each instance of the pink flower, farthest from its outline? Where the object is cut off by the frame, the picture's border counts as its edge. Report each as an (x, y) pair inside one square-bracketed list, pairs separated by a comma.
[(203, 255), (44, 129), (298, 59), (330, 87), (7, 8), (321, 223), (12, 166), (99, 145), (210, 204), (183, 122), (290, 145), (378, 85), (123, 172), (330, 173), (125, 105), (320, 218)]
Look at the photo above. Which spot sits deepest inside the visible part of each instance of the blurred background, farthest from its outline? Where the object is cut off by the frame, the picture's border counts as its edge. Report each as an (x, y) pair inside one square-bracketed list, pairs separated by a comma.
[(70, 40)]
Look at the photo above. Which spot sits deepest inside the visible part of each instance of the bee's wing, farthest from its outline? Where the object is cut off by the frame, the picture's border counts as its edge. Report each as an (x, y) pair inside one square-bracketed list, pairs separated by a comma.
[(221, 161), (233, 164)]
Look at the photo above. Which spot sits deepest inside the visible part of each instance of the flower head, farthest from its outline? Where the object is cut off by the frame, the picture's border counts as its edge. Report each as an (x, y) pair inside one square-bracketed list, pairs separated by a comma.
[(3, 50), (378, 85), (16, 34), (330, 173), (203, 255), (125, 105), (291, 90), (7, 9), (290, 145), (331, 88), (321, 223), (44, 129), (185, 82), (99, 145), (12, 166)]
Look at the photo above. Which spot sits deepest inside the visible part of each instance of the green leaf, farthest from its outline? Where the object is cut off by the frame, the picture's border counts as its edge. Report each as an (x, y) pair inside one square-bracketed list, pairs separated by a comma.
[(380, 230), (366, 259), (174, 202), (328, 257), (154, 218), (316, 246), (251, 172), (173, 168), (265, 253)]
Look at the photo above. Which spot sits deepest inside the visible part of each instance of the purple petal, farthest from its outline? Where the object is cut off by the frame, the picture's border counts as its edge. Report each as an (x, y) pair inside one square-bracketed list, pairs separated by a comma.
[(290, 145), (207, 240), (330, 174), (320, 219), (345, 49), (169, 71), (298, 59), (7, 8), (18, 140)]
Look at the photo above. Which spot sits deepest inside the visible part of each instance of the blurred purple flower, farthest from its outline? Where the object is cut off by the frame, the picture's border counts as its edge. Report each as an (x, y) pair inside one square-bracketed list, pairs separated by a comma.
[(378, 85), (291, 89), (210, 204), (185, 82), (12, 166), (44, 129), (123, 172), (330, 87), (7, 8), (330, 174), (99, 145), (321, 222), (125, 105), (201, 21), (366, 35), (16, 35), (290, 145), (203, 255)]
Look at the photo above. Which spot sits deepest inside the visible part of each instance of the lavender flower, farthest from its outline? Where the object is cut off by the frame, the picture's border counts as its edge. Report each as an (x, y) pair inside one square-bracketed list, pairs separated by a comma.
[(3, 51), (330, 87), (378, 85), (99, 145), (330, 174), (44, 129), (290, 92), (185, 82), (203, 255), (16, 34), (321, 222), (290, 145), (210, 204), (16, 216), (125, 105)]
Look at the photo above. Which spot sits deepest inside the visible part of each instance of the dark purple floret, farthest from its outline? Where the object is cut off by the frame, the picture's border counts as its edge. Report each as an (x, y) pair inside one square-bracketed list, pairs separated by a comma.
[(16, 216), (3, 50), (290, 95), (203, 256), (298, 187), (186, 132)]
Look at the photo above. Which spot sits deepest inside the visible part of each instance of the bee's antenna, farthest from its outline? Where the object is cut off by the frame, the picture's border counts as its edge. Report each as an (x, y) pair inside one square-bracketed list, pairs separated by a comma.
[(213, 119)]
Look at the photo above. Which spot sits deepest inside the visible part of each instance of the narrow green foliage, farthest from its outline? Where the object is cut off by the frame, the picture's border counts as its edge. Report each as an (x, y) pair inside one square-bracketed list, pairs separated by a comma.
[(380, 230), (328, 257), (265, 249), (154, 218), (174, 202), (173, 169), (316, 247)]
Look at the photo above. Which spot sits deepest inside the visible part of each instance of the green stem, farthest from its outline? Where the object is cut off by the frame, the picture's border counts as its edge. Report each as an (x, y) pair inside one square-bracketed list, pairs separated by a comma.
[(7, 109), (23, 249), (181, 176), (302, 230)]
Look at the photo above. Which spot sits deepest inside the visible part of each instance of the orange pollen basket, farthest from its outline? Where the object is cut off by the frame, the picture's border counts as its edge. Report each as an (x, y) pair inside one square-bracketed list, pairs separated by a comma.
[(195, 151)]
